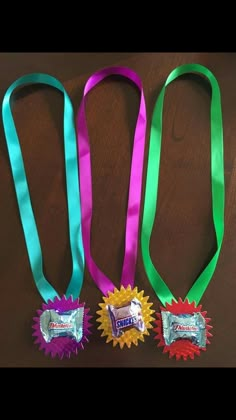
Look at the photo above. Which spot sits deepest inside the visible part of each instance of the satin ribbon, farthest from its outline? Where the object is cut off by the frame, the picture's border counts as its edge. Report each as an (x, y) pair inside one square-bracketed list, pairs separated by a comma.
[(133, 211), (217, 182), (23, 196)]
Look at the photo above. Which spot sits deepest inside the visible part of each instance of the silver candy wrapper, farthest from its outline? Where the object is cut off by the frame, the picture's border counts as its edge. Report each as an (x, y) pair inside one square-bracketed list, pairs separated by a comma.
[(184, 327), (62, 324), (127, 316)]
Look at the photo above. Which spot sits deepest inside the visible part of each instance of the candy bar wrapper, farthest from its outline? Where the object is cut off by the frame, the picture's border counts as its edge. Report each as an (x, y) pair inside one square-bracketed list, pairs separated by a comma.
[(62, 324), (127, 316), (184, 327)]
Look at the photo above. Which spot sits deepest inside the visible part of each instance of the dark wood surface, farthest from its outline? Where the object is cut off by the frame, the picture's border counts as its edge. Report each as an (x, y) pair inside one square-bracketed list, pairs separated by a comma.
[(183, 238)]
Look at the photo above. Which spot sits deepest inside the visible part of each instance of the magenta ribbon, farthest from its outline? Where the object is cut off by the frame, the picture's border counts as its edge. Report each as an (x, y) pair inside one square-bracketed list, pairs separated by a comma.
[(135, 185)]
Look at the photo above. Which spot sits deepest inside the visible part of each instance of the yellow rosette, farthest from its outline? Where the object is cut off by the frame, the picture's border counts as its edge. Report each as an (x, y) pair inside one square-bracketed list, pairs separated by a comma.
[(120, 298)]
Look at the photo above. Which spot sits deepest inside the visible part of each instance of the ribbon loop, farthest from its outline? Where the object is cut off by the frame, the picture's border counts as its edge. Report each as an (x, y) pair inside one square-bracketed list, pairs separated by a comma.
[(23, 196), (135, 185), (217, 182)]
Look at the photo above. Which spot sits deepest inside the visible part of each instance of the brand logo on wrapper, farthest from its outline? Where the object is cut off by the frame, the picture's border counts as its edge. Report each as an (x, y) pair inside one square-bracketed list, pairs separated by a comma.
[(126, 322), (55, 326), (188, 328)]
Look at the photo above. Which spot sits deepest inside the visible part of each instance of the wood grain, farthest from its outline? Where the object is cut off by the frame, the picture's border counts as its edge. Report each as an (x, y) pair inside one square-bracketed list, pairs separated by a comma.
[(183, 238)]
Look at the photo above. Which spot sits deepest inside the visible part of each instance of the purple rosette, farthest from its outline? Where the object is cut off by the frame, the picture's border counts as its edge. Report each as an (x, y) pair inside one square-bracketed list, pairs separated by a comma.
[(62, 327)]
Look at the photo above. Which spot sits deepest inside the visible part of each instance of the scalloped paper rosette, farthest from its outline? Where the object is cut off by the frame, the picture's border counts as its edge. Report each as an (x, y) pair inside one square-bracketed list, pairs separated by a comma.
[(181, 348), (62, 346), (119, 298)]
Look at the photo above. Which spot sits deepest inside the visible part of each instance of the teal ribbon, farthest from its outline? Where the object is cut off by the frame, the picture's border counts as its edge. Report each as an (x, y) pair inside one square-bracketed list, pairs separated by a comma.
[(23, 196), (217, 182)]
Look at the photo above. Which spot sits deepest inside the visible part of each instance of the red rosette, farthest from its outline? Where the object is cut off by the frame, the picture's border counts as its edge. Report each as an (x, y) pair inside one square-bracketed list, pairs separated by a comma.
[(181, 348)]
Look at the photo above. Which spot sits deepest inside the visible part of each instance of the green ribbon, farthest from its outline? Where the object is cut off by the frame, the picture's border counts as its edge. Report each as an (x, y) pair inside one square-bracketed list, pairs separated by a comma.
[(23, 196), (217, 182)]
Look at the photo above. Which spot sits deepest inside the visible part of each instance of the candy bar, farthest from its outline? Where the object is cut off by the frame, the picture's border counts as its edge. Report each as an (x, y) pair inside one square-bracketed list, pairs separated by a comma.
[(62, 324), (184, 327), (126, 317)]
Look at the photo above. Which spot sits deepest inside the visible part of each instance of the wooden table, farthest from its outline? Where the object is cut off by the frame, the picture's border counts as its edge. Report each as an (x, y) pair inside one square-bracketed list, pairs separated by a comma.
[(183, 238)]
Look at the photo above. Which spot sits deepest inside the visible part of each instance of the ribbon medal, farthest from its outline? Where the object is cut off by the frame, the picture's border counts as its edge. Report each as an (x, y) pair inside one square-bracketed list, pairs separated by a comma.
[(125, 314), (61, 326), (183, 329)]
